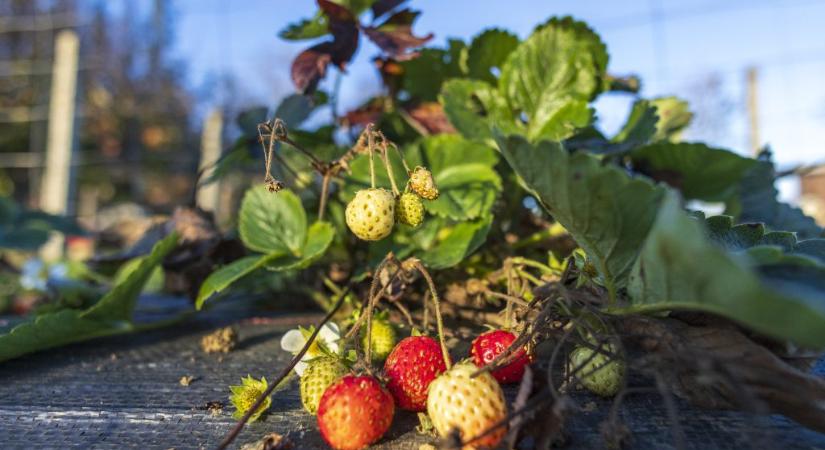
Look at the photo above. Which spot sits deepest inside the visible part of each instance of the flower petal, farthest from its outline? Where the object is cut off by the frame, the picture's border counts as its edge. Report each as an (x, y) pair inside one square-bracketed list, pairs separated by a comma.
[(293, 341), (300, 367)]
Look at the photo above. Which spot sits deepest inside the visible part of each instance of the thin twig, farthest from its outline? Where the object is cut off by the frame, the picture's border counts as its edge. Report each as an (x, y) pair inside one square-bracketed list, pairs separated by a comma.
[(284, 373)]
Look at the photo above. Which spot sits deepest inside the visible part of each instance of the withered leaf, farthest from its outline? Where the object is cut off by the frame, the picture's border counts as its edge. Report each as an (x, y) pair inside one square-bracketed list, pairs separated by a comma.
[(394, 37), (431, 116)]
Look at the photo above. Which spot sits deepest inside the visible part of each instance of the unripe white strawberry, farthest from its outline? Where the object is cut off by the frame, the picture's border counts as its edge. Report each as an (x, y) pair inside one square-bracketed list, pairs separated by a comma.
[(409, 209), (599, 373), (469, 405), (423, 184), (371, 214), (319, 374)]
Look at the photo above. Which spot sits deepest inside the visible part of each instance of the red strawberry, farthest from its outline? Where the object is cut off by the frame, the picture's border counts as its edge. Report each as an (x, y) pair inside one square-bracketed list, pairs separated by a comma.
[(354, 412), (491, 344), (412, 365)]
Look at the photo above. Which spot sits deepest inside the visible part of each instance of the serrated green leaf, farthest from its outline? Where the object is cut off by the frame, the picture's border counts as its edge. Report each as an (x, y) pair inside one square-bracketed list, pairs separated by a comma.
[(111, 315), (319, 237), (558, 119), (763, 246), (153, 284), (306, 29), (698, 171), (561, 59), (756, 201), (425, 74), (608, 213), (467, 191), (680, 269), (489, 50), (272, 222), (459, 243), (674, 116), (475, 108), (222, 278), (640, 127)]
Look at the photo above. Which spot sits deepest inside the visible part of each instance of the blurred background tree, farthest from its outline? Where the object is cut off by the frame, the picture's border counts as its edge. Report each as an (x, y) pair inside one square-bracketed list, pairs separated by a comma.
[(135, 136)]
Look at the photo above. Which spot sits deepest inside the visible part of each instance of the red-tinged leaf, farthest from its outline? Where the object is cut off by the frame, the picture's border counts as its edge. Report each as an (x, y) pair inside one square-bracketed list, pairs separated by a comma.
[(431, 116), (369, 112), (395, 37), (344, 44), (335, 12), (310, 66), (382, 7)]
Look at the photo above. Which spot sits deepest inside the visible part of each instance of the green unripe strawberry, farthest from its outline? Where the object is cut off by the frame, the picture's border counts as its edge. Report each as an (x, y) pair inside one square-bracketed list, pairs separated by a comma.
[(383, 338), (600, 374), (423, 184), (371, 214), (319, 374), (409, 209)]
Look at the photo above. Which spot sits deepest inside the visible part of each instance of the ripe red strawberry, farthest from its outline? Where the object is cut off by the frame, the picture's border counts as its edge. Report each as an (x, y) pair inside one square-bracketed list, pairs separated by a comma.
[(412, 365), (354, 412), (491, 344)]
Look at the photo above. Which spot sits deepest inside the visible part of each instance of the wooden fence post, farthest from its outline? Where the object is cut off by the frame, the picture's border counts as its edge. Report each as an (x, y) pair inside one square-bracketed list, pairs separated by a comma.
[(56, 181)]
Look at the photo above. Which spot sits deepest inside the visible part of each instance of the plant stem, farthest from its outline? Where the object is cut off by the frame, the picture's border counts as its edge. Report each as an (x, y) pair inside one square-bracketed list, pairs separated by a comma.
[(239, 426), (322, 206), (388, 166), (438, 322), (545, 269)]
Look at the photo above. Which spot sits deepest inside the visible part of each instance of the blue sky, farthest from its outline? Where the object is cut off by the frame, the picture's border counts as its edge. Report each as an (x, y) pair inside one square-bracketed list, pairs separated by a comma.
[(678, 47)]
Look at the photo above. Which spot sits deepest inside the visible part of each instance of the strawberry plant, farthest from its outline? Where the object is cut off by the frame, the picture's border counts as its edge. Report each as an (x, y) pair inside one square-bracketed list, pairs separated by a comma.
[(477, 189), (479, 183)]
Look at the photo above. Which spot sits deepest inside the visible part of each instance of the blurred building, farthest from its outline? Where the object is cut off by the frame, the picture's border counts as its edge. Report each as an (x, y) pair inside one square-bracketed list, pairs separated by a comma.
[(812, 198)]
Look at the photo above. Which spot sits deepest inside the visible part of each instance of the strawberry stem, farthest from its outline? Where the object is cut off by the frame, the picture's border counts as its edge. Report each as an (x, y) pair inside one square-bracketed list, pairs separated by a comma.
[(239, 426), (370, 145), (438, 322)]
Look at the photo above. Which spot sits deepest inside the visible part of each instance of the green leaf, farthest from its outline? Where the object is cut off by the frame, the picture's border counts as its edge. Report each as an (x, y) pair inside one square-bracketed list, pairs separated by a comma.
[(474, 108), (424, 75), (294, 109), (558, 119), (55, 330), (111, 315), (462, 240), (467, 191), (699, 171), (607, 212), (222, 278), (26, 239), (319, 237), (680, 269), (763, 246), (119, 303), (674, 116), (153, 284), (272, 222), (306, 29), (640, 127), (489, 50), (756, 201), (562, 59)]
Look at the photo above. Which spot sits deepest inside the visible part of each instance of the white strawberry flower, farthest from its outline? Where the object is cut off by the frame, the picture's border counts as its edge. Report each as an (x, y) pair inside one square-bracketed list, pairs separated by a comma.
[(326, 342)]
